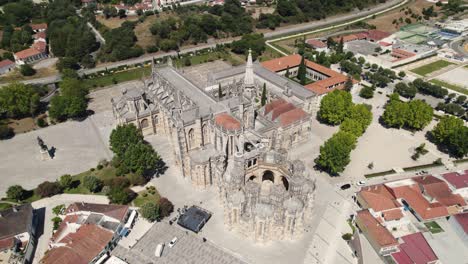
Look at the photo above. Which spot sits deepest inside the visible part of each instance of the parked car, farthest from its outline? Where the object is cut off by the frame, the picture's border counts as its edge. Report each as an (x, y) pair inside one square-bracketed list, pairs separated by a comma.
[(361, 183), (173, 241), (345, 186)]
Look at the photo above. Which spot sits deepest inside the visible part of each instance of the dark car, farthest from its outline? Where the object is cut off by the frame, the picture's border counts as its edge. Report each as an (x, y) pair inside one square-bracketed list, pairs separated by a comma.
[(345, 186)]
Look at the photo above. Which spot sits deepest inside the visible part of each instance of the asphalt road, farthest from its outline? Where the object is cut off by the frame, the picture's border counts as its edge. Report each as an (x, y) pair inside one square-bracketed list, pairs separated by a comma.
[(269, 35)]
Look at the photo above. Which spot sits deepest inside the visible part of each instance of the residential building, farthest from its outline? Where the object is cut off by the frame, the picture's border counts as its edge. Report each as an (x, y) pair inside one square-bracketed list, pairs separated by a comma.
[(39, 27), (458, 183), (317, 45), (414, 249), (18, 232), (87, 233), (6, 66), (378, 236), (459, 223), (38, 51)]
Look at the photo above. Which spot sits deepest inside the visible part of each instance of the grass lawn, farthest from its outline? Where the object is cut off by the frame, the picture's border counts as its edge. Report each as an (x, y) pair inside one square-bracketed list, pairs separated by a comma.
[(146, 196), (118, 77), (431, 67), (450, 86), (102, 174), (433, 227)]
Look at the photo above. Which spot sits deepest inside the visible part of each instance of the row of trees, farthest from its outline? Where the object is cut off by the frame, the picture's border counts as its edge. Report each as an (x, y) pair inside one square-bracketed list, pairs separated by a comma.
[(414, 115), (337, 108), (120, 43)]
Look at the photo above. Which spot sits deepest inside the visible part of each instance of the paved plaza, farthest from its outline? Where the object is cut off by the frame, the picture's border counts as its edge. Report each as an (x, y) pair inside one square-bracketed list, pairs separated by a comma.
[(188, 249), (79, 145), (458, 76)]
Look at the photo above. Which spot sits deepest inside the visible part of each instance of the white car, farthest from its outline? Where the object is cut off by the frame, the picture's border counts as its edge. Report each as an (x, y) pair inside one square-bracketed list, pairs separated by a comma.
[(173, 241), (361, 183)]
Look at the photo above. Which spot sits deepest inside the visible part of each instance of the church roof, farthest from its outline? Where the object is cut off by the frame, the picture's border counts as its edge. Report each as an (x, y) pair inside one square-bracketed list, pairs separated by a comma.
[(227, 121)]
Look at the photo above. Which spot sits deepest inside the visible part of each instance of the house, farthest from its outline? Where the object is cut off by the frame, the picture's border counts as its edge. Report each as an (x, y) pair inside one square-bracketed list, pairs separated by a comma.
[(18, 230), (379, 237), (458, 182), (317, 45), (87, 232), (459, 223), (38, 51), (6, 66), (375, 35), (414, 249), (325, 79), (39, 27)]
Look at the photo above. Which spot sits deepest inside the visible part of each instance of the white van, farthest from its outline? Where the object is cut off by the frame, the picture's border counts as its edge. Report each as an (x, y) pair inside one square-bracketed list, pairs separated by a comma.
[(159, 250), (173, 241)]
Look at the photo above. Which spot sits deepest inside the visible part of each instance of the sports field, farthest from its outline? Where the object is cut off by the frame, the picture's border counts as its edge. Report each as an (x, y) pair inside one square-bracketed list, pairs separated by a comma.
[(431, 67)]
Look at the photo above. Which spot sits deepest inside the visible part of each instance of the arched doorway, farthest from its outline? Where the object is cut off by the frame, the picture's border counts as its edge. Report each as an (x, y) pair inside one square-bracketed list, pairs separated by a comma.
[(252, 178), (268, 176), (144, 123), (285, 182)]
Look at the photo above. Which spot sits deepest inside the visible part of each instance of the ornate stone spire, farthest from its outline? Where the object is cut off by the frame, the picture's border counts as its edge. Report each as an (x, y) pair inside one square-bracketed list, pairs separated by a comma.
[(249, 75)]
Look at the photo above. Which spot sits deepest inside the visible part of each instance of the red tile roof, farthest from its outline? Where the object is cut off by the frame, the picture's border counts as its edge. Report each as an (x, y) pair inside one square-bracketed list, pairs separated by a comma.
[(41, 26), (377, 35), (334, 81), (378, 198), (40, 46), (316, 43), (116, 211), (413, 196), (41, 34), (439, 190), (284, 112), (402, 54), (5, 63), (24, 54), (384, 44), (292, 116), (80, 247), (346, 38), (227, 121), (462, 220), (458, 181), (416, 249), (375, 230), (393, 214), (7, 243)]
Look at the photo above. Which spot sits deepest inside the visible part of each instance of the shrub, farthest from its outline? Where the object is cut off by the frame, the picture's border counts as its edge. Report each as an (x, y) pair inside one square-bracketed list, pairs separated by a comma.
[(367, 92), (58, 209), (150, 211), (118, 183), (16, 192), (99, 167), (92, 183), (48, 189), (27, 70), (347, 236), (41, 122), (6, 132), (66, 181), (57, 221), (121, 196), (165, 207)]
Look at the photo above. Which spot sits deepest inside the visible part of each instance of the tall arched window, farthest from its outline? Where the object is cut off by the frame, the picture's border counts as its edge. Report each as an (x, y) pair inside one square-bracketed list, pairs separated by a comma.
[(206, 134), (268, 176), (191, 138)]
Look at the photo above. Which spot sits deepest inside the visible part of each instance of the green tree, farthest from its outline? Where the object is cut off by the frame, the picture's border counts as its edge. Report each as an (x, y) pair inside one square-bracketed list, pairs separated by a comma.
[(66, 181), (420, 114), (17, 99), (16, 192), (366, 92), (340, 47), (334, 107), (352, 126), (396, 114), (302, 72), (407, 91), (6, 132), (401, 74), (165, 207), (348, 84), (335, 153), (150, 211), (141, 159), (48, 189), (264, 95), (220, 92), (123, 137), (451, 135), (92, 183), (362, 114)]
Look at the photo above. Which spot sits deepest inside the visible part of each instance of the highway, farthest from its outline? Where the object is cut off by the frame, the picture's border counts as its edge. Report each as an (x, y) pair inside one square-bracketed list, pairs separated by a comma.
[(278, 34)]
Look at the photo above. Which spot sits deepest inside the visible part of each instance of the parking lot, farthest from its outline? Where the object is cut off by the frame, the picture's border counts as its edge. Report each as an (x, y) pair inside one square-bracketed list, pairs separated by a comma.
[(189, 248)]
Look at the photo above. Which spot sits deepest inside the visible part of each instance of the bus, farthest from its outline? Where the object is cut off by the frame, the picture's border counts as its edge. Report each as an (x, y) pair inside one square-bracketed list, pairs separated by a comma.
[(159, 250)]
